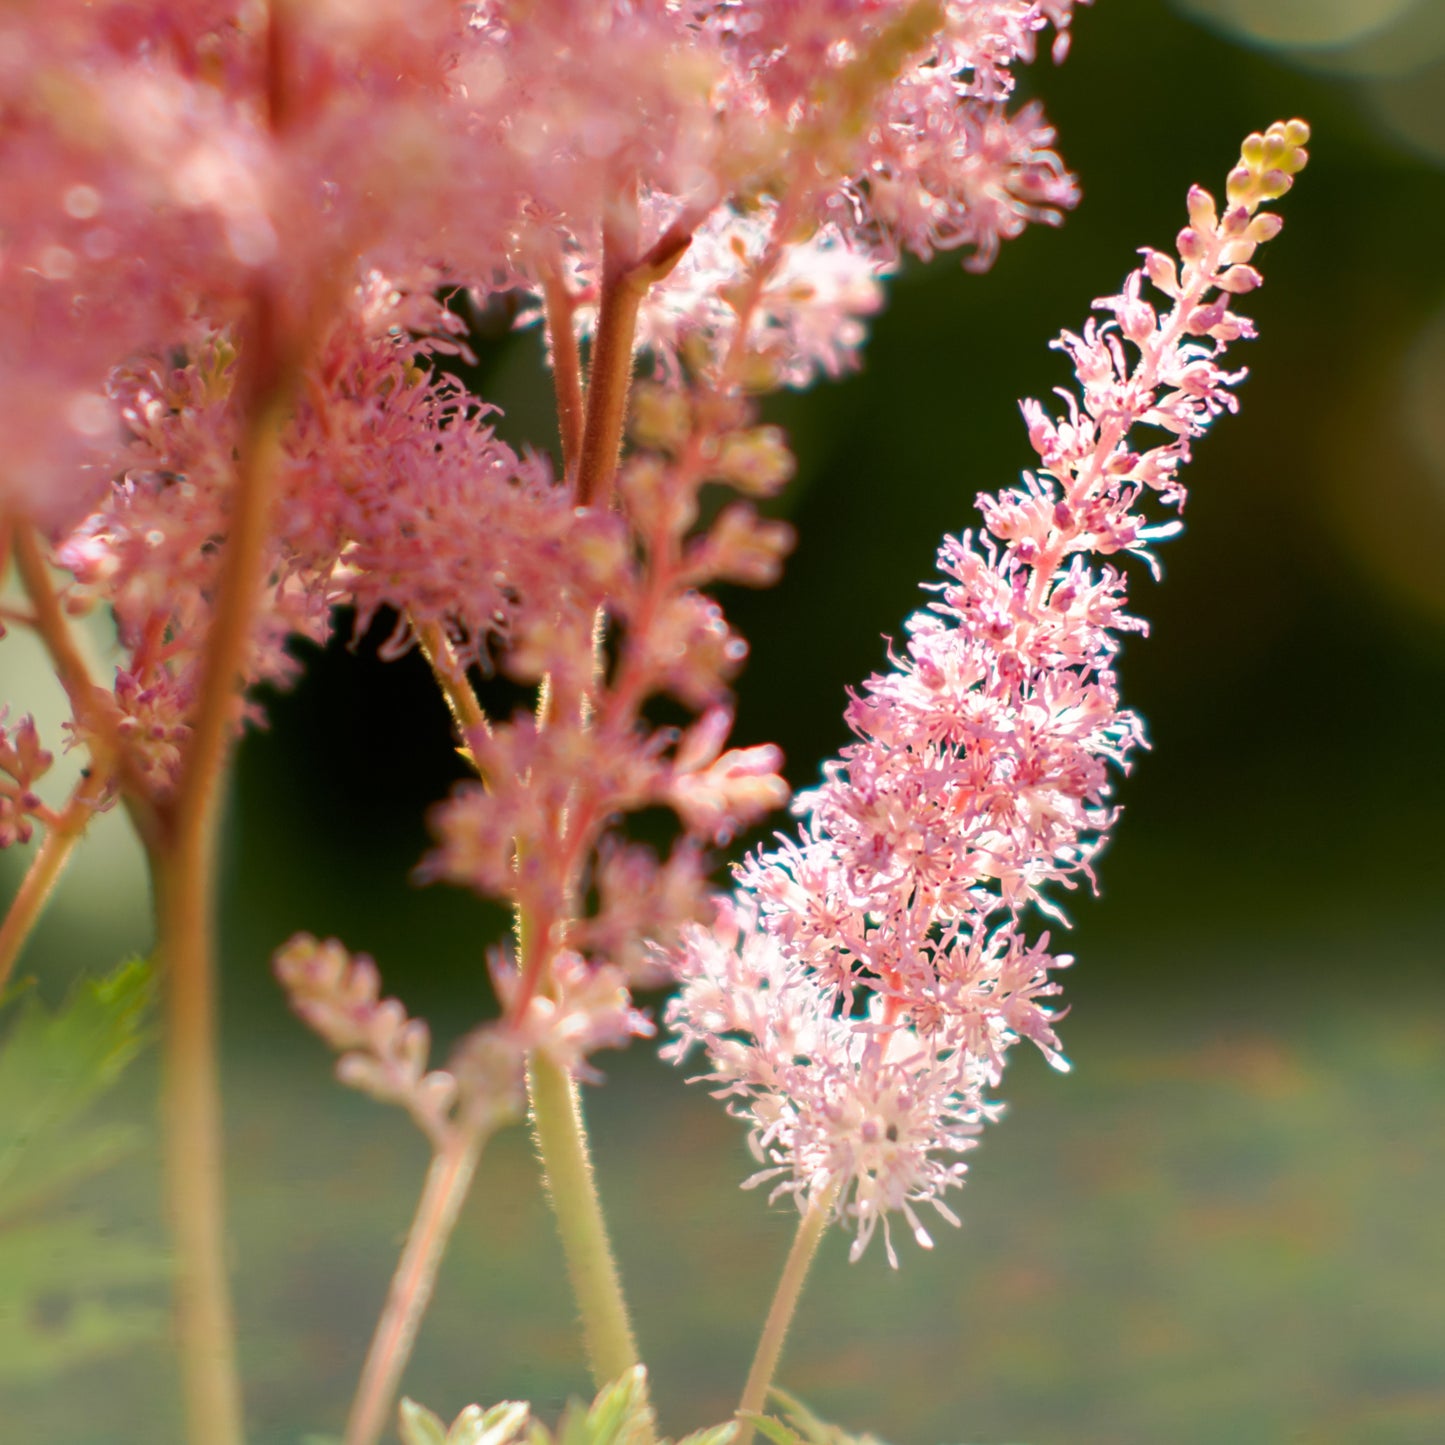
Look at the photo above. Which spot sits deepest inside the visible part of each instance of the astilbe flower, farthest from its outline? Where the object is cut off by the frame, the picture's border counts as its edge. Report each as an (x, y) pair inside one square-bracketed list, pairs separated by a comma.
[(382, 149), (384, 1053), (23, 761), (857, 997)]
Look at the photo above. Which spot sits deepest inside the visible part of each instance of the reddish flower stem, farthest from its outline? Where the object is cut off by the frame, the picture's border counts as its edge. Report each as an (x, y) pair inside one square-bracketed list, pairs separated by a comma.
[(54, 630), (447, 1182), (625, 279), (566, 365), (609, 381), (183, 865)]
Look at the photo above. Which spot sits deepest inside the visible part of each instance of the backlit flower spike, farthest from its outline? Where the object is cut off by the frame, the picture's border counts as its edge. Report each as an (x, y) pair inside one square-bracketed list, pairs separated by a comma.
[(861, 991)]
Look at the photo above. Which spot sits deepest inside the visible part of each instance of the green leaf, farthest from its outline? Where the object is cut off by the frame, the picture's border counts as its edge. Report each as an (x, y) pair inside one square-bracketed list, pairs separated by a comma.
[(774, 1429), (39, 1342), (419, 1426), (620, 1415), (713, 1435), (811, 1429), (499, 1425), (71, 1283), (52, 1068)]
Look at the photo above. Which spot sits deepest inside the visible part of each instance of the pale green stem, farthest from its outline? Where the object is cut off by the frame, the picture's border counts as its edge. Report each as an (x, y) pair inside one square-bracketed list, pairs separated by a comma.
[(780, 1314), (447, 1182), (562, 1142)]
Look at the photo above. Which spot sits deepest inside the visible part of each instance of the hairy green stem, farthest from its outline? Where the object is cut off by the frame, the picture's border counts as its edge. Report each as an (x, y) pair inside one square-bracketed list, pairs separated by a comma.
[(447, 1182), (562, 1142), (780, 1314)]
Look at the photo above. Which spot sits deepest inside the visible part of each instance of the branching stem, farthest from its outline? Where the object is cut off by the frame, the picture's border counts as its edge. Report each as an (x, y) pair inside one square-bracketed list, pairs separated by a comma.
[(625, 281), (609, 381)]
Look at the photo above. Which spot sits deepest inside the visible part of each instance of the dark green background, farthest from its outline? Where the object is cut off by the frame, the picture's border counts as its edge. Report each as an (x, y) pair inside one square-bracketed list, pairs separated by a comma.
[(1225, 1226)]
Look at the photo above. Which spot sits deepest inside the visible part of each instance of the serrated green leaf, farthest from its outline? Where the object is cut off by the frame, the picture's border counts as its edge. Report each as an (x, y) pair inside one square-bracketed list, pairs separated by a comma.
[(62, 1271), (419, 1426), (62, 1157), (73, 1253), (810, 1429), (54, 1313), (36, 1346), (498, 1426), (474, 1426), (713, 1435), (620, 1415), (772, 1427), (468, 1427), (52, 1067)]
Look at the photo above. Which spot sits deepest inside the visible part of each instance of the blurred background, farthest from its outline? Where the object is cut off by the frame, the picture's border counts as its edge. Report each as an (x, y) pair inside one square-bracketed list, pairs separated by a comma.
[(1226, 1224)]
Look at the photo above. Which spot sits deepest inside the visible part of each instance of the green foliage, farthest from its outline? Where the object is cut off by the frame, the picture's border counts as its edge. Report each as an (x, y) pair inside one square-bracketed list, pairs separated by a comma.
[(620, 1415), (501, 1425), (803, 1427), (59, 1265), (807, 1428)]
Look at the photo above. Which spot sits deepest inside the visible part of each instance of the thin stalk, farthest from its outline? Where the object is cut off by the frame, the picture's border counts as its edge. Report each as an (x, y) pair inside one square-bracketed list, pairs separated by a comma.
[(237, 594), (625, 281), (191, 1113), (184, 866), (609, 381), (562, 1142), (780, 1314), (450, 677), (44, 871), (566, 365), (52, 626), (447, 1182)]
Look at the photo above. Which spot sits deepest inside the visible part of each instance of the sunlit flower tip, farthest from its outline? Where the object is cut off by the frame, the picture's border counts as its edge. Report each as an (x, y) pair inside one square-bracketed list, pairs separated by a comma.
[(729, 793)]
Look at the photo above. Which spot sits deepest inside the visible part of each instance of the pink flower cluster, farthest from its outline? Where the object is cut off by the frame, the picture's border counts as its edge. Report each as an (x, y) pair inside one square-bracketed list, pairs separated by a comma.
[(857, 998), (162, 160), (225, 219)]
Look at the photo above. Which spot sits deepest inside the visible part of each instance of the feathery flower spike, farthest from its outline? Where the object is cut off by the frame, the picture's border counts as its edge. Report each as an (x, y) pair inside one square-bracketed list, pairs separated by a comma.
[(859, 994)]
